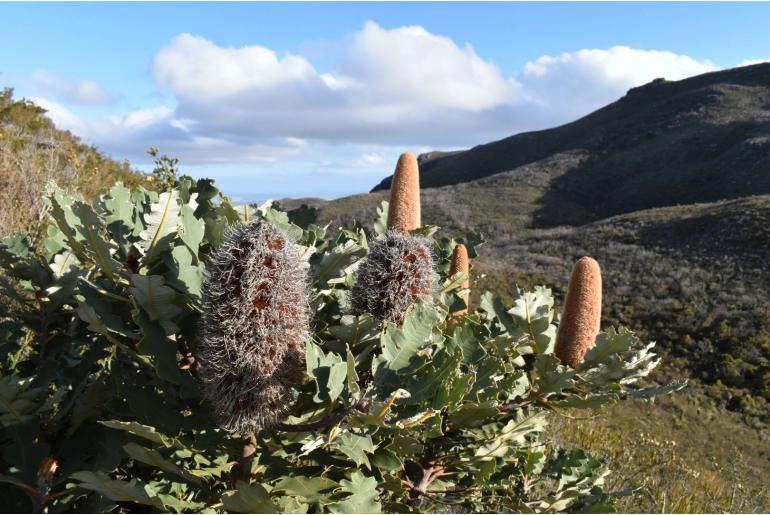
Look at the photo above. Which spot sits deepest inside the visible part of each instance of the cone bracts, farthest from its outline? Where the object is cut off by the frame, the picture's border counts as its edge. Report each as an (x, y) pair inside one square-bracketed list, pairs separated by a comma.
[(399, 269), (397, 273), (255, 325), (458, 265), (581, 318)]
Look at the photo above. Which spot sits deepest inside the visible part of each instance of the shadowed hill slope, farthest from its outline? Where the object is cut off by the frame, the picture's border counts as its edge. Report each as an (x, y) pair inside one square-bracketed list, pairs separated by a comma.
[(700, 139)]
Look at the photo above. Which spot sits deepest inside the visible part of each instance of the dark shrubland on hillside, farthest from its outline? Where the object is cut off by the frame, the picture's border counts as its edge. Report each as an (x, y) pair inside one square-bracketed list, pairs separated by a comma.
[(33, 151)]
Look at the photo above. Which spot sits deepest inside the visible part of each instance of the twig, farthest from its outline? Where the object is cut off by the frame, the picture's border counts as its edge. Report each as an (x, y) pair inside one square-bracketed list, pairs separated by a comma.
[(243, 469), (332, 419), (515, 405), (429, 475)]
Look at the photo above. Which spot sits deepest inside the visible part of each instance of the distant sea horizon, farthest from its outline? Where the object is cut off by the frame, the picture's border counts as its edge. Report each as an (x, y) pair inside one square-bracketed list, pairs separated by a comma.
[(240, 199)]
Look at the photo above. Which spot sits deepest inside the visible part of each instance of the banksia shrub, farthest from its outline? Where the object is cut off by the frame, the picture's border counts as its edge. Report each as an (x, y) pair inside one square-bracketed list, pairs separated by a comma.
[(255, 325), (581, 318), (404, 210), (458, 265), (398, 271), (373, 418)]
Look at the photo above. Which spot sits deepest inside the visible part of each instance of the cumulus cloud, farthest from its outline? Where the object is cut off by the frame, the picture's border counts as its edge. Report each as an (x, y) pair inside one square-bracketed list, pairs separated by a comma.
[(574, 83), (131, 134), (85, 92), (404, 86), (411, 67), (388, 89), (390, 86)]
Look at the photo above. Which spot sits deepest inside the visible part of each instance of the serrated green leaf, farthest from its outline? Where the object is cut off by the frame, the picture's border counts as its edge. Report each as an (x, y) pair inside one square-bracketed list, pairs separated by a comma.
[(99, 249), (473, 414), (116, 490), (535, 311), (513, 433), (355, 447), (363, 498), (485, 472), (153, 458), (248, 498), (387, 460), (338, 263), (189, 275), (142, 431), (155, 297), (161, 224), (18, 400), (401, 345), (469, 338), (381, 222), (191, 229), (308, 488)]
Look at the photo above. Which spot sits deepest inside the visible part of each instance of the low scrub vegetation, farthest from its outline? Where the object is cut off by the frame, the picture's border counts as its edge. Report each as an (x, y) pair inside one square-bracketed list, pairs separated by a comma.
[(33, 151)]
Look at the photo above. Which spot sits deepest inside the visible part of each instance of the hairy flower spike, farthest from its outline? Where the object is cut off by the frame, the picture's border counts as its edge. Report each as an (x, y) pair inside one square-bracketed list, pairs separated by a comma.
[(458, 265), (404, 209), (255, 324), (245, 402), (398, 271), (581, 318)]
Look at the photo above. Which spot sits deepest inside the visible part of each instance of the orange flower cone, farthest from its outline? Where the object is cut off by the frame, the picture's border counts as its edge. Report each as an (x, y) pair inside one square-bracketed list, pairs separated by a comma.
[(581, 318), (404, 210), (459, 264)]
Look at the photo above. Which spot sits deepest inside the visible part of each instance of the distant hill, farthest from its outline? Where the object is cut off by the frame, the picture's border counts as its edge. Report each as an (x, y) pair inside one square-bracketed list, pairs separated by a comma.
[(701, 139)]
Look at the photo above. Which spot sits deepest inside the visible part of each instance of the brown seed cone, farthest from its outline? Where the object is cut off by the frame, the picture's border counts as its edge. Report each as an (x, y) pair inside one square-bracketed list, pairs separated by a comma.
[(581, 318), (460, 265), (404, 210)]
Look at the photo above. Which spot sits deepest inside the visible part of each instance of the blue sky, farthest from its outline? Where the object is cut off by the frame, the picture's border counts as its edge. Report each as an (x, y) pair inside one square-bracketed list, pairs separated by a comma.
[(318, 99)]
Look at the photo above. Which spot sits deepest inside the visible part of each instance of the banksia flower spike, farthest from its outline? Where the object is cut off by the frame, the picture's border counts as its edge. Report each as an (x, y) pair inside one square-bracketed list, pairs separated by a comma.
[(397, 273), (255, 324), (399, 269), (581, 318), (404, 209), (458, 265)]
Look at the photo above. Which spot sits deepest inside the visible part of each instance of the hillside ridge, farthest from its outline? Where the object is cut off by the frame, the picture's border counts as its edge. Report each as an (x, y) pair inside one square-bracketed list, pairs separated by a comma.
[(700, 139)]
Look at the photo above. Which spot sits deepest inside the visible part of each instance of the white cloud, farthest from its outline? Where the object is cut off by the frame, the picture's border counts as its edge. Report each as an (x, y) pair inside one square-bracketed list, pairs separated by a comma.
[(85, 92), (372, 158), (390, 86), (411, 67), (574, 83), (192, 66), (62, 117), (387, 91), (404, 86), (131, 134), (749, 62)]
